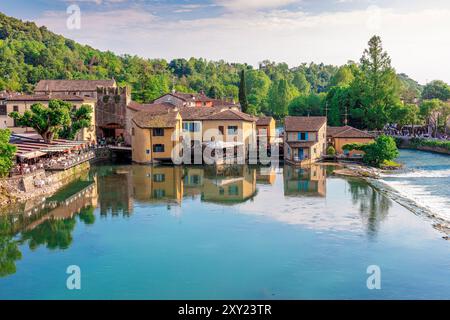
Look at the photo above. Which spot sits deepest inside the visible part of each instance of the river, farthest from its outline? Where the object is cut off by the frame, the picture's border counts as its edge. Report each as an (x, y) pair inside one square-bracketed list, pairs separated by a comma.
[(163, 232)]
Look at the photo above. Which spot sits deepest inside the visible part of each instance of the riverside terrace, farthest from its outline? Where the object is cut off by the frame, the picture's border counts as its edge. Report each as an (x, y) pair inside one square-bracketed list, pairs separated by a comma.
[(34, 154)]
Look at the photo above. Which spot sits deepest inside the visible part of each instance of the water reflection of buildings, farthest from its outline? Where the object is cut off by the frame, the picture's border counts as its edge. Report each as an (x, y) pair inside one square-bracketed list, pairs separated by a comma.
[(305, 181)]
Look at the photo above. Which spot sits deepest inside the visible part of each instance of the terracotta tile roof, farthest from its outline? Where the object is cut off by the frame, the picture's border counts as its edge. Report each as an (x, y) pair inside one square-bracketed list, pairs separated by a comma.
[(155, 107), (347, 132), (231, 115), (331, 131), (73, 85), (190, 97), (301, 144), (304, 123), (47, 97), (264, 121), (155, 119)]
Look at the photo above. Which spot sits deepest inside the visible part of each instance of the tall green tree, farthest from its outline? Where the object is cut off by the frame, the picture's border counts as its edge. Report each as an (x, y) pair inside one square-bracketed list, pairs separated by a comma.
[(243, 92), (436, 89), (47, 121), (79, 118), (300, 82), (376, 86), (307, 105), (7, 152)]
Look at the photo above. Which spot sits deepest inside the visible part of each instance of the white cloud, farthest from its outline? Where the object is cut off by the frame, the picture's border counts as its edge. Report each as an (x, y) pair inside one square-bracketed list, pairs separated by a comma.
[(253, 4), (416, 40)]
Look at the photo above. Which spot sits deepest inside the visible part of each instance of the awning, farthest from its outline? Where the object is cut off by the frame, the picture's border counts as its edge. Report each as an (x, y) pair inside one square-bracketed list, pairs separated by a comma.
[(31, 155)]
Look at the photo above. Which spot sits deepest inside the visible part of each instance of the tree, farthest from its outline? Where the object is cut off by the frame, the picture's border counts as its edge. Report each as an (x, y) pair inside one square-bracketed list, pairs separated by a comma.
[(243, 93), (280, 95), (7, 152), (406, 114), (430, 110), (343, 77), (301, 83), (79, 118), (436, 89), (376, 86), (307, 105), (47, 121), (376, 153)]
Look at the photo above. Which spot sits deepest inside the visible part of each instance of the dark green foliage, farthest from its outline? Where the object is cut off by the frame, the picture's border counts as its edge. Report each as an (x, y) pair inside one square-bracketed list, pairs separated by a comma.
[(382, 149), (417, 142), (436, 89), (243, 93), (47, 121), (7, 152)]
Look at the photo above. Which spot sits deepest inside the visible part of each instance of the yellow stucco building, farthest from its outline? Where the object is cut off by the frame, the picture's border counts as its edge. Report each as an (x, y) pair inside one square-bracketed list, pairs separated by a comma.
[(156, 135), (340, 136)]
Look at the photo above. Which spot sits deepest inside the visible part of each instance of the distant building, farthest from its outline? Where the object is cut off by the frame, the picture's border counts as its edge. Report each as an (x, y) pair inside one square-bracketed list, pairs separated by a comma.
[(340, 136), (82, 88), (180, 99), (265, 127), (22, 102), (305, 139)]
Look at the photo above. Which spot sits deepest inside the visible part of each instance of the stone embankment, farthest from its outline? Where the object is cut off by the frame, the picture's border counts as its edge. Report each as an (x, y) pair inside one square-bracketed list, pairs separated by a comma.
[(38, 184)]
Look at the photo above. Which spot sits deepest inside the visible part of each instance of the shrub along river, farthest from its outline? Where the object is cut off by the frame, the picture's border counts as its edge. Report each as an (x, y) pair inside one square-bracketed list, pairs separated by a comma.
[(163, 232)]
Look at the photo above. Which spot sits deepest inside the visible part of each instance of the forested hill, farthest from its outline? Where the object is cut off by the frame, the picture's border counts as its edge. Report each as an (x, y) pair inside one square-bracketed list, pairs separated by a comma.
[(29, 53)]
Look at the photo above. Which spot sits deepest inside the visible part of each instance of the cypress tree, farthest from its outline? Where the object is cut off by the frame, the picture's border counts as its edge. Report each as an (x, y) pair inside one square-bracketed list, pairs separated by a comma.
[(242, 93)]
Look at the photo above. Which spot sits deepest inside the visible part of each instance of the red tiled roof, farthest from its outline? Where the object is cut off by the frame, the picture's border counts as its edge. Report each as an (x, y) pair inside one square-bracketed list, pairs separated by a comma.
[(155, 107), (230, 115), (264, 121), (304, 123), (73, 85), (347, 132), (156, 118)]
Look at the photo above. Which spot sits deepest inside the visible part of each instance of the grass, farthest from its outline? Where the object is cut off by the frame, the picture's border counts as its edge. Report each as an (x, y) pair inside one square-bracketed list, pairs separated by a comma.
[(390, 164)]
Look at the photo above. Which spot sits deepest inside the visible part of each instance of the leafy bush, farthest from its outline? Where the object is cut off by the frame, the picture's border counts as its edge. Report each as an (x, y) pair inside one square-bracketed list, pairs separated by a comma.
[(7, 151), (376, 153), (418, 142), (331, 151)]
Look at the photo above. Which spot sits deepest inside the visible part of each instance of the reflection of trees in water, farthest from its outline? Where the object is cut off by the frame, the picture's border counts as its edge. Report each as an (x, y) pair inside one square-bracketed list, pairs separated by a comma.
[(373, 206), (9, 248), (54, 234), (87, 215)]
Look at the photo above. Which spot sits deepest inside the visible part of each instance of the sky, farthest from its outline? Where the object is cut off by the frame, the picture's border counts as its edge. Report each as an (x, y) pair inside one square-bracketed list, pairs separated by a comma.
[(415, 33)]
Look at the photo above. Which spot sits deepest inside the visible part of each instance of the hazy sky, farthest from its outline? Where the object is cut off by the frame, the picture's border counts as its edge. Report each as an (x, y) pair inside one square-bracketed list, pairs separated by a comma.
[(415, 33)]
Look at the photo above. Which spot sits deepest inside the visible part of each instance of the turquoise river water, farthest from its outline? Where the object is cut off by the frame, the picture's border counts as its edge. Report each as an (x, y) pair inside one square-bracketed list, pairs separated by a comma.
[(143, 232)]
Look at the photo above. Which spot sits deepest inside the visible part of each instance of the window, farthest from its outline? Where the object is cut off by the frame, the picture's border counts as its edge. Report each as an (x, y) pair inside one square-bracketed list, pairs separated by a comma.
[(233, 190), (3, 111), (159, 193), (232, 129), (221, 191), (158, 132), (302, 136), (191, 126), (159, 177), (132, 131), (158, 148), (221, 130)]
